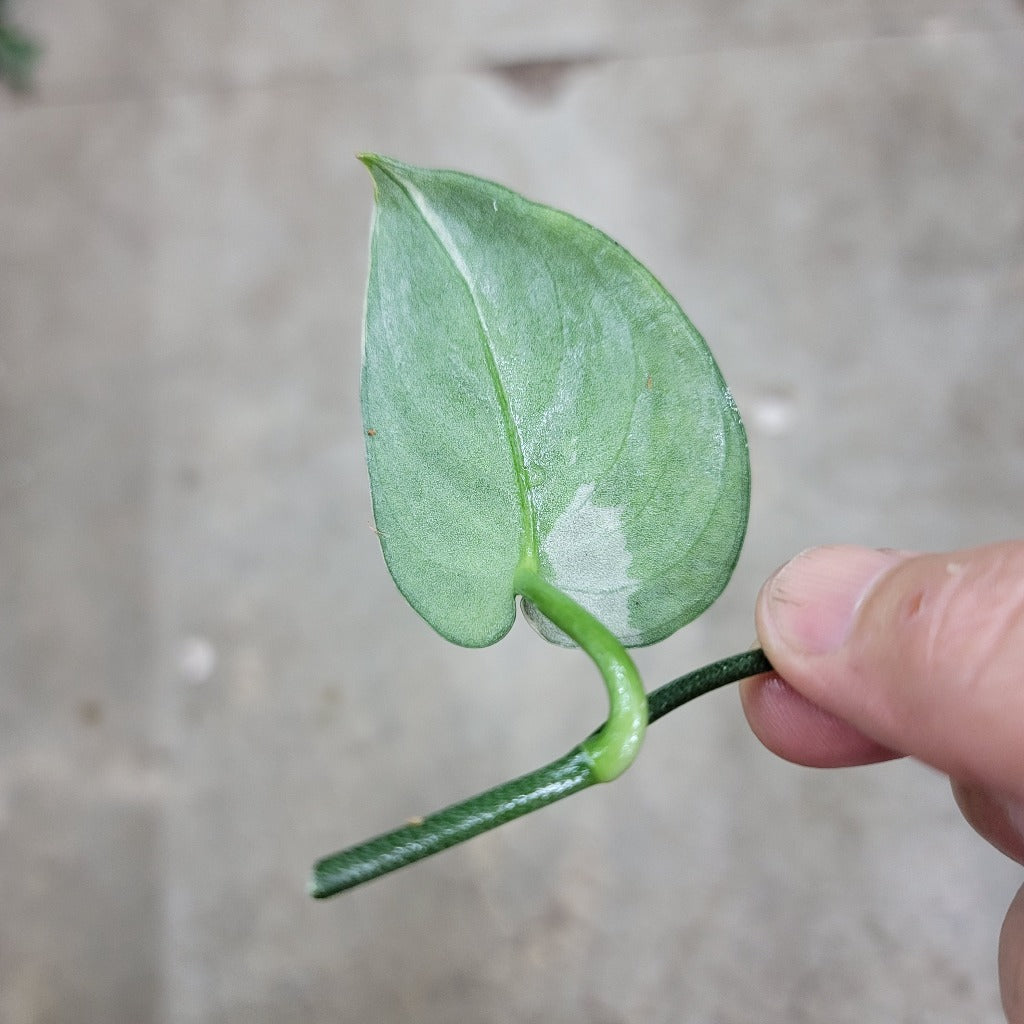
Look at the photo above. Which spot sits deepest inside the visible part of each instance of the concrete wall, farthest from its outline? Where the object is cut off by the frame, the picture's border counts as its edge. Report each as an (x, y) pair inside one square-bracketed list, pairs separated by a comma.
[(207, 678)]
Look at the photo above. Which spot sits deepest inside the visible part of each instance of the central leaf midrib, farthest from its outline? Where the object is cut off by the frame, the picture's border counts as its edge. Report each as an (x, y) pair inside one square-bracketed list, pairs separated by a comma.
[(529, 542)]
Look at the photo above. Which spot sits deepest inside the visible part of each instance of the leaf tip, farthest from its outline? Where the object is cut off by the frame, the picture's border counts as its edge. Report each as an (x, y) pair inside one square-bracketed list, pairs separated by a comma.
[(382, 169), (377, 164)]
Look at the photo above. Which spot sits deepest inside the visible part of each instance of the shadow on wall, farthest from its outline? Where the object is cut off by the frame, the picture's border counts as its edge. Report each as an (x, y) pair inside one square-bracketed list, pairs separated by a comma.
[(541, 80)]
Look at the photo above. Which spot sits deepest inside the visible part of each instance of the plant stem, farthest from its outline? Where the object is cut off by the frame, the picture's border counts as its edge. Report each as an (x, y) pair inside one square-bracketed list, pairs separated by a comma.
[(512, 799)]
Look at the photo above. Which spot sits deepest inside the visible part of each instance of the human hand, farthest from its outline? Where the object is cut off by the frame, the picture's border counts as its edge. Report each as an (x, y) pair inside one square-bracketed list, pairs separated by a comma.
[(879, 654)]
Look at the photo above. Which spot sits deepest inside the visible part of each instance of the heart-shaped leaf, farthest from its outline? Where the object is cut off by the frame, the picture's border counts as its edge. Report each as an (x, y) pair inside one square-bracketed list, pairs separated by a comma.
[(533, 397)]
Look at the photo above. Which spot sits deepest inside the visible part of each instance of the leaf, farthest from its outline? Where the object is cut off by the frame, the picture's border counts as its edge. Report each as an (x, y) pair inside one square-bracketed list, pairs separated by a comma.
[(532, 396)]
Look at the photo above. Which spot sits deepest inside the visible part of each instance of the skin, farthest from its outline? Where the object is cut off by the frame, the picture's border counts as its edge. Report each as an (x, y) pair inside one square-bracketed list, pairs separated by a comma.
[(881, 654)]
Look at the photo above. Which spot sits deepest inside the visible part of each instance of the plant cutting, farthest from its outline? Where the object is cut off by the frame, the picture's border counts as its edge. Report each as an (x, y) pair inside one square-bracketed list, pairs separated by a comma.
[(542, 423)]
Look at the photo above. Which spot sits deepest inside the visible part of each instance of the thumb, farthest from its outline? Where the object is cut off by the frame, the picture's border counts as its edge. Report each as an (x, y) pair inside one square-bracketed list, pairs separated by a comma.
[(880, 651), (921, 654)]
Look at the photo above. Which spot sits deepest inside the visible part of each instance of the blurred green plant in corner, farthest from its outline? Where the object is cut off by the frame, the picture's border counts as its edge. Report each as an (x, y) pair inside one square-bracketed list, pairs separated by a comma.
[(18, 53)]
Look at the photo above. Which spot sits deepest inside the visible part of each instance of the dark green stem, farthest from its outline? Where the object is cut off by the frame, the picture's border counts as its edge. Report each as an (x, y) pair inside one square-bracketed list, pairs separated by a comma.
[(513, 799), (703, 680), (453, 825)]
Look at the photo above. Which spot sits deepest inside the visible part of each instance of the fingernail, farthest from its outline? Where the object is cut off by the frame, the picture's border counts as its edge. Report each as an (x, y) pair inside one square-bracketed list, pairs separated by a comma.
[(811, 602)]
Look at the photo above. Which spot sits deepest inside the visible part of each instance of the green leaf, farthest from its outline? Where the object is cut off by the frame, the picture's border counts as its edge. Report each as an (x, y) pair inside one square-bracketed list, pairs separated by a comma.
[(532, 397), (18, 54)]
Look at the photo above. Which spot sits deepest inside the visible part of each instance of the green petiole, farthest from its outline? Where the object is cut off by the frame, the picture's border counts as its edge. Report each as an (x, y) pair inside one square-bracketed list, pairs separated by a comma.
[(613, 748)]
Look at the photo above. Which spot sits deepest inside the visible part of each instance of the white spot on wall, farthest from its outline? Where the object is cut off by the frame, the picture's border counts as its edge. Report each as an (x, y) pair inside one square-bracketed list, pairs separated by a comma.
[(773, 415), (197, 660)]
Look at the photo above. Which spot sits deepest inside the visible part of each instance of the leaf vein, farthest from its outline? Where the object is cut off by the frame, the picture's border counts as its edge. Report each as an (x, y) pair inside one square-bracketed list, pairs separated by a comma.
[(529, 541)]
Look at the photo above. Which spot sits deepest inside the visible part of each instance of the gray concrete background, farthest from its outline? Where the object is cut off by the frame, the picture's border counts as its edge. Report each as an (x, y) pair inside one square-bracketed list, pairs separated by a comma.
[(207, 678)]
